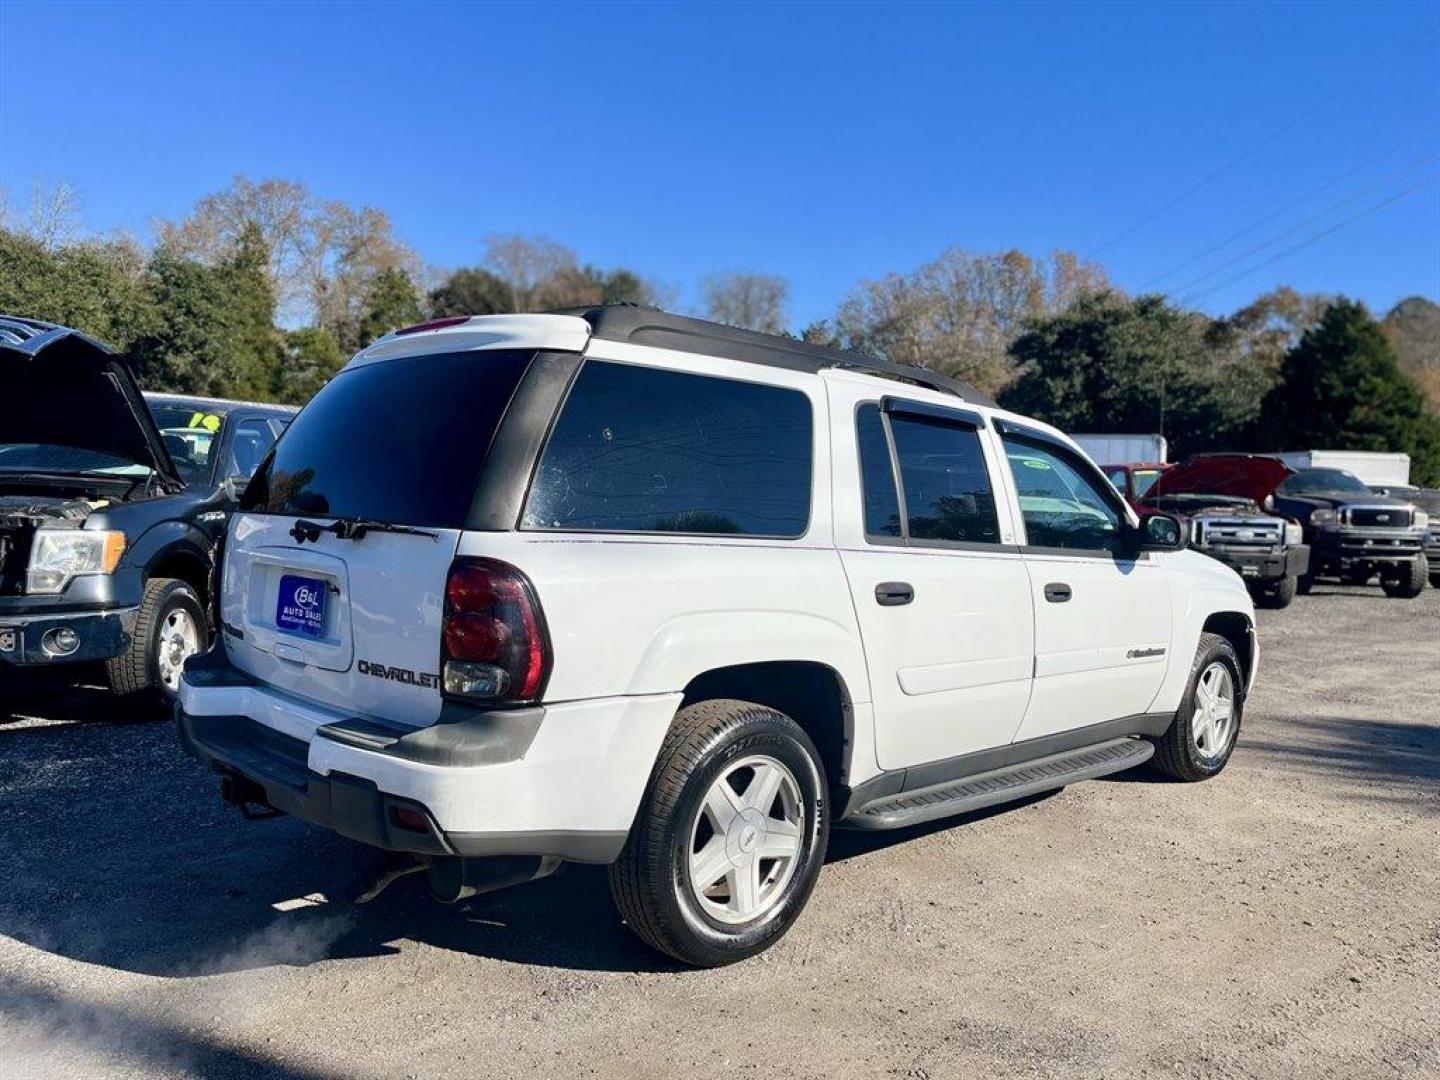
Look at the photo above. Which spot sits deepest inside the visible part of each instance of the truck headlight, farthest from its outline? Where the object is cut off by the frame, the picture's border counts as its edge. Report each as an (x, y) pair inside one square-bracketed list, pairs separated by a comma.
[(1322, 517), (1422, 519), (58, 555), (1293, 534)]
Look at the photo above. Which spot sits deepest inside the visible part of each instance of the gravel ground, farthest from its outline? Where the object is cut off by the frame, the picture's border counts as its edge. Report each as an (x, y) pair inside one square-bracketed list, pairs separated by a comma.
[(1282, 920)]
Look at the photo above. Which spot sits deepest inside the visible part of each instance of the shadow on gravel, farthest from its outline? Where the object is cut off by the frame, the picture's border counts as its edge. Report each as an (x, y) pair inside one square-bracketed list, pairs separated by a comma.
[(70, 704), (852, 843), (44, 1025), (1381, 750)]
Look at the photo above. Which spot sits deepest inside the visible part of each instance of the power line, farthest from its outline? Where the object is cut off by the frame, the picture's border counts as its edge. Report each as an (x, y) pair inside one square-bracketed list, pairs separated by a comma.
[(1260, 223), (1249, 151), (1317, 237), (1293, 229)]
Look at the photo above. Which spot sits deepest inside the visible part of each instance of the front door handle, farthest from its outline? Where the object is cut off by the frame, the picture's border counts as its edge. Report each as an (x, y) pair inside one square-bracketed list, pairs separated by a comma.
[(894, 593), (1057, 592)]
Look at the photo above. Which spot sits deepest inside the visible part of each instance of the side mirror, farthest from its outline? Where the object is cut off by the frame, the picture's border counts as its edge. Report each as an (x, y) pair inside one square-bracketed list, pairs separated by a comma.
[(1160, 532)]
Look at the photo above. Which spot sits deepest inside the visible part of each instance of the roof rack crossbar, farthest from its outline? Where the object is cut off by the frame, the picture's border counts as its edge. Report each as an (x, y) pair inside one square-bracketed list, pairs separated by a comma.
[(651, 326)]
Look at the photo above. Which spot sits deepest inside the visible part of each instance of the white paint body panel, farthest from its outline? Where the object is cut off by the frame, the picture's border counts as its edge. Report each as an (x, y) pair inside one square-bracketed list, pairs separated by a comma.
[(978, 660)]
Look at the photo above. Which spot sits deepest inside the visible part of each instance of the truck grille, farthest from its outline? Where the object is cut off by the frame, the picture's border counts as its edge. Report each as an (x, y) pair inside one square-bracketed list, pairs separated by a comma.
[(1382, 517), (1239, 532)]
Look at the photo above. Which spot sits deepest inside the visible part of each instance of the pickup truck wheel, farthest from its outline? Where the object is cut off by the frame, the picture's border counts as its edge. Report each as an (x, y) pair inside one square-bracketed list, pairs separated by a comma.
[(1406, 580), (1279, 594), (1200, 741), (730, 837), (170, 629)]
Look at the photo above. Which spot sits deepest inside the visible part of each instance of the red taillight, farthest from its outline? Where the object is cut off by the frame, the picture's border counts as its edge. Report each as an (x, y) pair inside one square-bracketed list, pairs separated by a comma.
[(494, 634), (434, 324)]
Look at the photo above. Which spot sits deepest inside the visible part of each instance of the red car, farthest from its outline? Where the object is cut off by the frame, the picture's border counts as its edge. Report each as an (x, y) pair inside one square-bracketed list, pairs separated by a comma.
[(1135, 480)]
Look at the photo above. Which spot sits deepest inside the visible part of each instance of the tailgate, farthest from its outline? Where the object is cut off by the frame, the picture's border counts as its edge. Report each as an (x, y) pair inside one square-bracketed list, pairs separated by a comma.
[(349, 624)]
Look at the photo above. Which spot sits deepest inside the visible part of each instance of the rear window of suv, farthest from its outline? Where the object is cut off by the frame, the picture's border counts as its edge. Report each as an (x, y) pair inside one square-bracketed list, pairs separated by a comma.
[(641, 449), (400, 441)]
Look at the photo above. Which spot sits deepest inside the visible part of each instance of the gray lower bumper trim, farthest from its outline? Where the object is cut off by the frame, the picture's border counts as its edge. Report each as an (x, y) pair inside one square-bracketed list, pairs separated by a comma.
[(572, 846)]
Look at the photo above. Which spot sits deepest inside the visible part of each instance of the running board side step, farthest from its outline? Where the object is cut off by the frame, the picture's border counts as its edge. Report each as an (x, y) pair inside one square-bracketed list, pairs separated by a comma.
[(999, 785)]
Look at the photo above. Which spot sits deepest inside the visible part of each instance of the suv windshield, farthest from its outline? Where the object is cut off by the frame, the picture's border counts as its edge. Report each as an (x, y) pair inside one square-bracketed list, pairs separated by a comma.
[(191, 435), (400, 441), (1318, 481), (47, 457)]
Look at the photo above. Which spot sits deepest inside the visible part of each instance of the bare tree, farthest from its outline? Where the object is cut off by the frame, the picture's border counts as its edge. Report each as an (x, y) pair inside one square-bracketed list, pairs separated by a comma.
[(540, 272), (959, 314), (752, 301), (324, 254), (53, 216)]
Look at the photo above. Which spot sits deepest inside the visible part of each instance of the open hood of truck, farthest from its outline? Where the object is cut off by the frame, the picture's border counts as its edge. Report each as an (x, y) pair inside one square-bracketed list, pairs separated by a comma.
[(1246, 476), (63, 388)]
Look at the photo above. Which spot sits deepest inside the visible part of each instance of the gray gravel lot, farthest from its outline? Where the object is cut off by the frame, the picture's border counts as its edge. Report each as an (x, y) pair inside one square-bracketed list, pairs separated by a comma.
[(1282, 920)]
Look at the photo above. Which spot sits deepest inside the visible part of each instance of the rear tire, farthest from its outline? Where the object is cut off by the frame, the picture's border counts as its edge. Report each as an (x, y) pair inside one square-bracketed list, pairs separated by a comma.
[(700, 800), (1406, 581), (1304, 583), (1200, 741), (1278, 595), (170, 628)]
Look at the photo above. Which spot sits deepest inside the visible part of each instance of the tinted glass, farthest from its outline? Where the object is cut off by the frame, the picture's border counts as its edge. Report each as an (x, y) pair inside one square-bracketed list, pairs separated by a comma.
[(1315, 481), (1116, 477), (191, 434), (400, 441), (947, 487), (643, 450), (248, 446), (1062, 507), (1145, 480), (877, 478)]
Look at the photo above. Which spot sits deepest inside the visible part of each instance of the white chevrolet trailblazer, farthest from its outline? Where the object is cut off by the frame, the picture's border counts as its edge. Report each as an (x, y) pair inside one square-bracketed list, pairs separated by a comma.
[(617, 586)]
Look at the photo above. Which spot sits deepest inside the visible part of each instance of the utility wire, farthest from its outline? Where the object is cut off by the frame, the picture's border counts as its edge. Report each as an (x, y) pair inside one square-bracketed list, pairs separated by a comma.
[(1252, 149), (1260, 223), (1312, 219), (1317, 237)]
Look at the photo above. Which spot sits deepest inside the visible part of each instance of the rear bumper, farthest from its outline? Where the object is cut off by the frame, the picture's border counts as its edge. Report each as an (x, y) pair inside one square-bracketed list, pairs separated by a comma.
[(1353, 545), (1255, 565), (103, 635), (561, 780)]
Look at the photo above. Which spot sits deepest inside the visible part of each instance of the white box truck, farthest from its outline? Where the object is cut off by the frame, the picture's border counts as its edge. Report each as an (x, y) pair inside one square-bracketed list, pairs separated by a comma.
[(1372, 468), (1124, 449)]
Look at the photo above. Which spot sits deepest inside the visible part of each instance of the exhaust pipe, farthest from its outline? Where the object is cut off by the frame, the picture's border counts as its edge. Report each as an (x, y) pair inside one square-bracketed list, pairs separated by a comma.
[(452, 878)]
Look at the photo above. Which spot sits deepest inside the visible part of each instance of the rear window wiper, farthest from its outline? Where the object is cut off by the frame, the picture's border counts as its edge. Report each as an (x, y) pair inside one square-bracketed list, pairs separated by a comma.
[(351, 529)]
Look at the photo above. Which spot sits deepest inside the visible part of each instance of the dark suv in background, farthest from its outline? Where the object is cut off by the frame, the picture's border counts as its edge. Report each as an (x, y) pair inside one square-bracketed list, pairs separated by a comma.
[(1355, 534), (111, 507)]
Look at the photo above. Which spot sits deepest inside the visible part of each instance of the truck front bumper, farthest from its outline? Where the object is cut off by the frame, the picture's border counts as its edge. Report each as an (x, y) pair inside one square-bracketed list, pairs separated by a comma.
[(560, 780), (1262, 565), (1348, 545), (35, 641)]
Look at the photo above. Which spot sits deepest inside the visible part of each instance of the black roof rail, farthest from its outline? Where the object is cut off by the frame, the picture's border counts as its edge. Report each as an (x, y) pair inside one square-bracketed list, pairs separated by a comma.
[(31, 336), (651, 326)]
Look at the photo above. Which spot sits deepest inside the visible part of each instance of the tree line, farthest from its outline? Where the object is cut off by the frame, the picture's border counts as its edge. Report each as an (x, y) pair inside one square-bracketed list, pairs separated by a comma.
[(264, 290)]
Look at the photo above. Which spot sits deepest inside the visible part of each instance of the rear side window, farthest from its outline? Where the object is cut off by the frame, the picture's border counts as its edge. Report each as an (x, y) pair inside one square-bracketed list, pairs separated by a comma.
[(400, 441), (877, 478), (946, 483), (645, 450)]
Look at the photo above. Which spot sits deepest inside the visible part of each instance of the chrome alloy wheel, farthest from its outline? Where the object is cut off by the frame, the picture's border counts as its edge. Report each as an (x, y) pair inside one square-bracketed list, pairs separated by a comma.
[(179, 640), (745, 840), (1213, 723)]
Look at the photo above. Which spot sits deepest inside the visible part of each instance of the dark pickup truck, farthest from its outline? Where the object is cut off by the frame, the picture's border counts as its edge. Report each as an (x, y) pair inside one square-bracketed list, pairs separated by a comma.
[(1355, 534), (111, 507)]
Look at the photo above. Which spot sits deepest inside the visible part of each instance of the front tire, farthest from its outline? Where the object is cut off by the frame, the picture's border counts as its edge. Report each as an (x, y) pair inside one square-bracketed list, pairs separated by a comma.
[(170, 629), (1202, 738), (730, 837), (1407, 581), (1278, 595)]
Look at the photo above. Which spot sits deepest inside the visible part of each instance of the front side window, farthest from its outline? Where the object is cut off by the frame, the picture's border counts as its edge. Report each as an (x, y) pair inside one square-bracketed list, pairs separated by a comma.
[(1062, 506), (640, 449), (1117, 477), (248, 447)]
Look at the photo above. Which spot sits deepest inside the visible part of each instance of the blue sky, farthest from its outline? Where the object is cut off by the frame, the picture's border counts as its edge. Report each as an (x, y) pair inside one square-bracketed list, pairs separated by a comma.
[(824, 142)]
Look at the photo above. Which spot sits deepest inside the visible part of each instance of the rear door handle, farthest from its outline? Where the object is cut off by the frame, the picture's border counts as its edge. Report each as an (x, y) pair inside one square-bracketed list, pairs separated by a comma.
[(894, 593), (1057, 592)]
